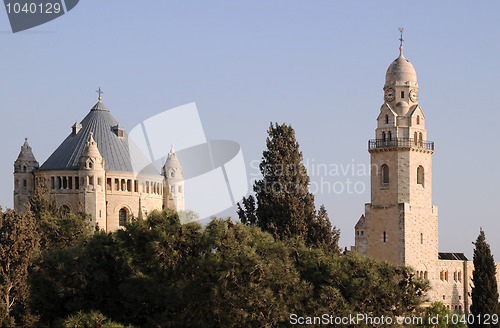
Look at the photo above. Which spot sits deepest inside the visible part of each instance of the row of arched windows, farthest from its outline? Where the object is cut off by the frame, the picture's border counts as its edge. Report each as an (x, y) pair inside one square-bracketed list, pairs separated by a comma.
[(66, 182), (457, 275), (422, 274)]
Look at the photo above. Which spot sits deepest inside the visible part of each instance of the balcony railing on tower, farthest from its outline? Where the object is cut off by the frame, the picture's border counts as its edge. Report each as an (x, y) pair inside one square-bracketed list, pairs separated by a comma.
[(400, 143)]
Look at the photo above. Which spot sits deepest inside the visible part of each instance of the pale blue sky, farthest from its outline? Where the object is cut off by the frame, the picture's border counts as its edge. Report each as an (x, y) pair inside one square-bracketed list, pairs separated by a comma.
[(318, 65)]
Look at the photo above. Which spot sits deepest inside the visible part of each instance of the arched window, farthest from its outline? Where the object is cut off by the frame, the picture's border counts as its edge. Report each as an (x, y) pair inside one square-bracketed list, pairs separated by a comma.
[(385, 174), (389, 134), (421, 238), (122, 217), (24, 168), (426, 276), (415, 138), (420, 175), (384, 237), (172, 174), (383, 136), (418, 119), (446, 275), (441, 276), (386, 119), (420, 138)]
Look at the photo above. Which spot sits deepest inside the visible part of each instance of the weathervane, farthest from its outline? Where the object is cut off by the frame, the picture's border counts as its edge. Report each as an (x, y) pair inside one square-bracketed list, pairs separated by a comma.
[(400, 29), (99, 92)]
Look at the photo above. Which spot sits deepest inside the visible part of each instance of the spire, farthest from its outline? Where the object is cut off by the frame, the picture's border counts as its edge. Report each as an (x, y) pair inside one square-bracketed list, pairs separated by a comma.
[(172, 160), (400, 29)]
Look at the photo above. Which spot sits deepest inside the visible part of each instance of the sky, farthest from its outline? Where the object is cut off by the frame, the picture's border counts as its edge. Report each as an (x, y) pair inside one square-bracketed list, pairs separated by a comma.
[(317, 65)]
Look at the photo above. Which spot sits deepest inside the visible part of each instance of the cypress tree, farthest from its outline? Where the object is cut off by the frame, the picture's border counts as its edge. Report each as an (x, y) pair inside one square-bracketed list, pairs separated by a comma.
[(283, 204), (485, 290)]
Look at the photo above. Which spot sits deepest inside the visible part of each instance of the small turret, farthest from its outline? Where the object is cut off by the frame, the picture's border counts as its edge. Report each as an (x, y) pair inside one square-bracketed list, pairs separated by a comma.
[(91, 158), (24, 180), (174, 177)]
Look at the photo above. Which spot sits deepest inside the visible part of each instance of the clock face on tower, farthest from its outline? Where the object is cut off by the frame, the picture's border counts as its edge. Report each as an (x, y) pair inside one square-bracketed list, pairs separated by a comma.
[(390, 94), (413, 95)]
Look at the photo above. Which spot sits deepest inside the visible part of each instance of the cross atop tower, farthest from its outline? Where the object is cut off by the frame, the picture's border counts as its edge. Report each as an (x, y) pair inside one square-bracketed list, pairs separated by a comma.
[(400, 29), (99, 92)]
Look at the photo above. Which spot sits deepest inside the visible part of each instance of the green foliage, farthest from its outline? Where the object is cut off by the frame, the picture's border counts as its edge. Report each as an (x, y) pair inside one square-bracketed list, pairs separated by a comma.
[(18, 240), (438, 316), (159, 273), (485, 289), (92, 319), (57, 228), (283, 204)]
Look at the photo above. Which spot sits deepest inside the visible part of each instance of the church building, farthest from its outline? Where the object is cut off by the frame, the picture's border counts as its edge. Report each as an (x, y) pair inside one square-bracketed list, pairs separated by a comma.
[(93, 170), (400, 224)]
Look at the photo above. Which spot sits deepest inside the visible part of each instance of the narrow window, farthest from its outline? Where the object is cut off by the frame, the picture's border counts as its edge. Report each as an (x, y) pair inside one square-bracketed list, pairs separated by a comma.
[(122, 217), (59, 183), (420, 175), (441, 276), (65, 183), (455, 276), (415, 138), (446, 275), (426, 275), (123, 185), (460, 276), (77, 183), (385, 174), (91, 180), (421, 238), (25, 183), (172, 174), (52, 183), (24, 168), (172, 189), (70, 182), (420, 138), (99, 181), (180, 188), (384, 237), (129, 185), (91, 165), (418, 119), (386, 119), (389, 134), (383, 136), (135, 185), (108, 184), (117, 184), (402, 94)]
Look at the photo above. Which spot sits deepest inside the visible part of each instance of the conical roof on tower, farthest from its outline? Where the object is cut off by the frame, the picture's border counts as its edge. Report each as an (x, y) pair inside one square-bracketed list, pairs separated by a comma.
[(172, 160), (119, 152), (26, 154), (91, 149)]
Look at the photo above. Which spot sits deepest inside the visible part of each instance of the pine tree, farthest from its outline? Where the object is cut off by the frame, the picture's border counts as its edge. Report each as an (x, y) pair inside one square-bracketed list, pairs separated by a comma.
[(283, 204), (18, 240), (485, 290)]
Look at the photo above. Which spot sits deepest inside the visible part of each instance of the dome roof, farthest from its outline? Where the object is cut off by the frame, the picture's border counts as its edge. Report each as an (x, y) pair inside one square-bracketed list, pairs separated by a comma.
[(120, 154), (400, 71)]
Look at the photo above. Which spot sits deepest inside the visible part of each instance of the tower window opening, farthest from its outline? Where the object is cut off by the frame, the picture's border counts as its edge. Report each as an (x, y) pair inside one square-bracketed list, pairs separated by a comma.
[(426, 275), (52, 183), (415, 138), (129, 185), (117, 184), (25, 183), (24, 168), (418, 119), (460, 276), (420, 138), (389, 135), (59, 183), (455, 276), (172, 189), (135, 186), (420, 175), (385, 174), (446, 275), (122, 217), (77, 183), (384, 237), (402, 94), (383, 136), (386, 119), (108, 184), (421, 238), (70, 182)]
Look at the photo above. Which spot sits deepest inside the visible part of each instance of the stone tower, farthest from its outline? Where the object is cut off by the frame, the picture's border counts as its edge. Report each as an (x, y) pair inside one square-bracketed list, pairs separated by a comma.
[(92, 176), (400, 224), (174, 182), (24, 179)]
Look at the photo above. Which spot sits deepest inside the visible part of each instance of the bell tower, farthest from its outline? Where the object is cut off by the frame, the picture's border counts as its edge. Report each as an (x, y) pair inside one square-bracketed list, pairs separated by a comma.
[(400, 223)]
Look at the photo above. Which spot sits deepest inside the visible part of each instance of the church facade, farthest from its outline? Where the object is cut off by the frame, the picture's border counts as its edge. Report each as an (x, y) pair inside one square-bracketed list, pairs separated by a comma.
[(400, 224), (94, 170)]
